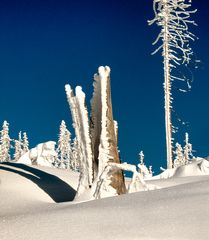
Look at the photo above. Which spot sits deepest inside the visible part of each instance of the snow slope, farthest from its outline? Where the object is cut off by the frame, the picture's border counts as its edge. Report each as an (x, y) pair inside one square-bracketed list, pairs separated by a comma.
[(179, 210)]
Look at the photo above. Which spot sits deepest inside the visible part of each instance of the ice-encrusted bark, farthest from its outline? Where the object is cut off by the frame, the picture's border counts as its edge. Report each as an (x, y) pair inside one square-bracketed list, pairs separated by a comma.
[(95, 122), (98, 143), (108, 151), (81, 126)]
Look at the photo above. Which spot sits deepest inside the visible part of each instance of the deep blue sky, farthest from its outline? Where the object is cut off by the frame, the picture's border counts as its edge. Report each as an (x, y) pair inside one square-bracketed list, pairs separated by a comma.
[(46, 44)]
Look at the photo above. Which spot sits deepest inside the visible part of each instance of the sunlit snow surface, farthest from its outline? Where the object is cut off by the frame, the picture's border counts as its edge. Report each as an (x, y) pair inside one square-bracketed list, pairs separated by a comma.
[(32, 207)]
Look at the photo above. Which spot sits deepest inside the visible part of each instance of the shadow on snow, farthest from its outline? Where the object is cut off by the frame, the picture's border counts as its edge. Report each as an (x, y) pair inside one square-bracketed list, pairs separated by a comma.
[(56, 188)]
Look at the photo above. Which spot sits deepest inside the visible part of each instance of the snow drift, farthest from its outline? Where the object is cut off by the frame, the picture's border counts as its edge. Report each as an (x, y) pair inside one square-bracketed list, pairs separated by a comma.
[(178, 212)]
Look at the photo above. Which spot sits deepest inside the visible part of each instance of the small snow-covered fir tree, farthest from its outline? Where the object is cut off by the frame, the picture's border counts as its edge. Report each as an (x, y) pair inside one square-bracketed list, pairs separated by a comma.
[(5, 143), (187, 150), (76, 156), (143, 170), (18, 150), (150, 171), (64, 146), (173, 18), (25, 143), (179, 156), (141, 157)]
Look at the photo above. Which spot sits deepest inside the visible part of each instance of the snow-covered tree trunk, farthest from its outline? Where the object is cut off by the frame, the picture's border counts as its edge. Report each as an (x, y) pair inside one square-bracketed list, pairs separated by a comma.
[(167, 91), (85, 133), (108, 151), (81, 126), (95, 122), (173, 18)]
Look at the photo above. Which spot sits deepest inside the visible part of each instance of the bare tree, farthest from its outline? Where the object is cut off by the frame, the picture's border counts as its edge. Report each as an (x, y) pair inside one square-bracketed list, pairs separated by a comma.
[(172, 16)]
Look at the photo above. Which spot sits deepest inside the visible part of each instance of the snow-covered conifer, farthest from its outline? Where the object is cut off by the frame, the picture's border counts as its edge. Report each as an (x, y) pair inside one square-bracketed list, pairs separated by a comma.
[(173, 18), (76, 156), (141, 157), (25, 143), (143, 170), (150, 171), (64, 147), (187, 149), (18, 150), (179, 156), (5, 143)]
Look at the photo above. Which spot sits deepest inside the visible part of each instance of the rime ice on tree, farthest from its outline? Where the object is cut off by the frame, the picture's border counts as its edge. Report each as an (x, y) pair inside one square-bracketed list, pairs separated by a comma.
[(143, 170), (183, 155), (141, 157), (25, 143), (64, 147), (81, 126), (97, 141), (5, 143), (179, 156), (173, 18), (187, 149), (18, 147), (76, 156)]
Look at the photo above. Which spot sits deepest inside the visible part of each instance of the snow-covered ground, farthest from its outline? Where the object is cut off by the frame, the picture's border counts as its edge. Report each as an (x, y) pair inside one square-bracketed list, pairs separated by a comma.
[(35, 205)]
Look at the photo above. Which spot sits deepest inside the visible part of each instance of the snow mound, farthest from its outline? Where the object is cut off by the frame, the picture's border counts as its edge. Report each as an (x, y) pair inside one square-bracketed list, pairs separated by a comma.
[(43, 154), (23, 185), (198, 167)]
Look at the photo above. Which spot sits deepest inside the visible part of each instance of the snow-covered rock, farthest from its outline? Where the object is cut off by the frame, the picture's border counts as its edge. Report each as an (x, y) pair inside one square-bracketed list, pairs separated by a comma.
[(43, 154)]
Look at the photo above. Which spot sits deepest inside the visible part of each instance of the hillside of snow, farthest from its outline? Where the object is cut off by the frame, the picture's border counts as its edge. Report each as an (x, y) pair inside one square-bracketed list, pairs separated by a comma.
[(35, 203)]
